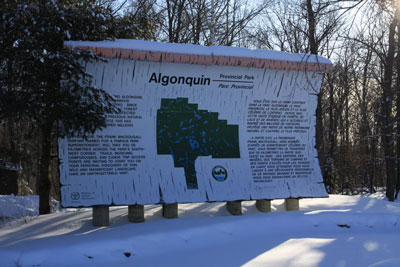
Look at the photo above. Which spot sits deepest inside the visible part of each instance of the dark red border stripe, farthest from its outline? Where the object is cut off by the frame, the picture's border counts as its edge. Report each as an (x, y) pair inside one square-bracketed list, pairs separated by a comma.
[(155, 56)]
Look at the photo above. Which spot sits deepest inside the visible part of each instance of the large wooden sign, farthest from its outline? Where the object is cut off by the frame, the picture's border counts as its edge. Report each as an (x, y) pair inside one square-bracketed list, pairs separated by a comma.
[(197, 124)]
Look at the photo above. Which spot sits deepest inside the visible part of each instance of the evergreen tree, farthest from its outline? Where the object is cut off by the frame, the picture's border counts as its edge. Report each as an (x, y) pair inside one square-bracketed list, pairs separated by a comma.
[(45, 83)]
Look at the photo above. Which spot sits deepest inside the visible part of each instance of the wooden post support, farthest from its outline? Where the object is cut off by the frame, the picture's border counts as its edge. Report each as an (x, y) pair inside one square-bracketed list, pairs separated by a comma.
[(263, 205), (234, 207), (136, 213), (292, 204), (170, 211), (101, 215)]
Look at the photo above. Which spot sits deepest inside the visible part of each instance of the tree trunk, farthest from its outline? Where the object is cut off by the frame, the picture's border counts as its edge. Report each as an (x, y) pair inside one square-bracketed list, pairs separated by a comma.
[(170, 22), (311, 28), (398, 112), (329, 179), (372, 177), (319, 131), (199, 24), (44, 182), (387, 129)]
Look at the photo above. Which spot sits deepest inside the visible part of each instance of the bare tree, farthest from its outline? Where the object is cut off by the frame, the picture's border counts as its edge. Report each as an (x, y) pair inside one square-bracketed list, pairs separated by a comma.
[(309, 26), (206, 22)]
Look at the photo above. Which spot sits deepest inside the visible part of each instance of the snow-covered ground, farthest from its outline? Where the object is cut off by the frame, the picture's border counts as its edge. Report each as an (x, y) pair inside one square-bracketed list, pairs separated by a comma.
[(14, 209), (336, 231)]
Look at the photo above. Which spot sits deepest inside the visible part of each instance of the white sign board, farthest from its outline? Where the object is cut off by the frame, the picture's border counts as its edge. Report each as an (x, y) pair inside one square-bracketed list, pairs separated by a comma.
[(194, 133)]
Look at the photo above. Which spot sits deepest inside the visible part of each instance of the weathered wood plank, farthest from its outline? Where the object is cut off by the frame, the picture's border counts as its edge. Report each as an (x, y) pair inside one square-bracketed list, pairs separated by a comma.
[(264, 118)]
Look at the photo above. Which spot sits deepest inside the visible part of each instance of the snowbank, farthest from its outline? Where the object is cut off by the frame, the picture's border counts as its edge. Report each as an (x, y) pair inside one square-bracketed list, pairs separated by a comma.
[(14, 207), (338, 231)]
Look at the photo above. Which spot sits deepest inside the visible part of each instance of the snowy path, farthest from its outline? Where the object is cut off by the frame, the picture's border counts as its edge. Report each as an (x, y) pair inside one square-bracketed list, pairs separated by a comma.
[(339, 231)]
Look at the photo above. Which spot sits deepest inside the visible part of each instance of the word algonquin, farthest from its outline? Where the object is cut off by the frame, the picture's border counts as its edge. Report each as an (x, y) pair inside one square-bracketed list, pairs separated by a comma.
[(165, 80)]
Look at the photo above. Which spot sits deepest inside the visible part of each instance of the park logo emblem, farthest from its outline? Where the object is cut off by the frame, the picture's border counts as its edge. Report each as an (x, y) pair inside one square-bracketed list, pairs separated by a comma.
[(75, 196), (219, 173)]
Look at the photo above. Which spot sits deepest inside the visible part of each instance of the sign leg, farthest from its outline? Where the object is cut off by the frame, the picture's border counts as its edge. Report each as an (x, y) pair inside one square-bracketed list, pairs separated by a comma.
[(292, 204), (263, 205), (234, 207), (136, 213), (170, 211), (101, 215)]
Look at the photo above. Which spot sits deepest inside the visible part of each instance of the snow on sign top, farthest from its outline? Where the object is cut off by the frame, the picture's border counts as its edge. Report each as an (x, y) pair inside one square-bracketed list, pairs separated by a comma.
[(202, 55)]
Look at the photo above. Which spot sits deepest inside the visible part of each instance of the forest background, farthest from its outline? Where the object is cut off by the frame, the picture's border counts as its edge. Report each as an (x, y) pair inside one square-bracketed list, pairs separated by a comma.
[(358, 114)]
